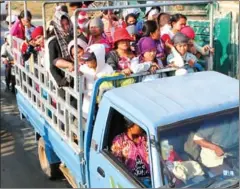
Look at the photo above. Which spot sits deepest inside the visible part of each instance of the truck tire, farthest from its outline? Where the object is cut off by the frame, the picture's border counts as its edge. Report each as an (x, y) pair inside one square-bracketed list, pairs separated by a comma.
[(52, 171), (21, 116)]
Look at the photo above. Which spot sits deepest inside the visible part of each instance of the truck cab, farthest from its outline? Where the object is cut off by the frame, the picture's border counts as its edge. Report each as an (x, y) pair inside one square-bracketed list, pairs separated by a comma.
[(169, 109)]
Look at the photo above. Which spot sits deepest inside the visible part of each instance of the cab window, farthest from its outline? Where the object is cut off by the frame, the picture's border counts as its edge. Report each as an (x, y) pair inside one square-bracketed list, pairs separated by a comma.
[(126, 144)]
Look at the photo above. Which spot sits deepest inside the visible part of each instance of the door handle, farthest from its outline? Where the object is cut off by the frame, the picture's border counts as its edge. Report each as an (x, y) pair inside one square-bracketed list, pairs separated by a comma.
[(101, 172)]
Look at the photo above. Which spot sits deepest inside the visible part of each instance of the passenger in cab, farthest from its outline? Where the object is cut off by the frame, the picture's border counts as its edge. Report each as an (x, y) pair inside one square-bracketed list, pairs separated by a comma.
[(186, 62), (18, 28), (150, 29), (147, 60), (93, 68), (120, 58), (131, 148), (97, 35), (219, 140), (58, 45)]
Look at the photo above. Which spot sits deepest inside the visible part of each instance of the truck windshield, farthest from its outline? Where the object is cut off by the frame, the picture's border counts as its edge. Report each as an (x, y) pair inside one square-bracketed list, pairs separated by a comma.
[(197, 151)]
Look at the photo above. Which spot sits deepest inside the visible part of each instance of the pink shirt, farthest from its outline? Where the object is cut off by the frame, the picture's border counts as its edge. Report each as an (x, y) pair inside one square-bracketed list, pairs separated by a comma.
[(18, 30), (131, 153)]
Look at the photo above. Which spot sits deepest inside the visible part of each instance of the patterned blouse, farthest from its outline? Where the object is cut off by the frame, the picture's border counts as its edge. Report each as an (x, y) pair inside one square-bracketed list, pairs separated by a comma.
[(133, 155)]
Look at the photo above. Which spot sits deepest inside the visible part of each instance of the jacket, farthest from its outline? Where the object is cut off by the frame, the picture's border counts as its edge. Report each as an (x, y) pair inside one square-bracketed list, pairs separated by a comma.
[(90, 75)]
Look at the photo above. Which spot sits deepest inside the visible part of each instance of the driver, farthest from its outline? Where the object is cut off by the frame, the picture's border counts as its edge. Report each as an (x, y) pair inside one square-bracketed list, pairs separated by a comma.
[(218, 138)]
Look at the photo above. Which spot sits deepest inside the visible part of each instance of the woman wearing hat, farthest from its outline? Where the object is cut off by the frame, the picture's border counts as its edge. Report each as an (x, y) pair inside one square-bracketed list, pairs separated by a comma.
[(97, 36), (146, 61), (120, 57)]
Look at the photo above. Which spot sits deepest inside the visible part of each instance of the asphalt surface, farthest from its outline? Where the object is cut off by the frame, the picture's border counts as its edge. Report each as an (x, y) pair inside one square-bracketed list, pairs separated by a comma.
[(20, 167)]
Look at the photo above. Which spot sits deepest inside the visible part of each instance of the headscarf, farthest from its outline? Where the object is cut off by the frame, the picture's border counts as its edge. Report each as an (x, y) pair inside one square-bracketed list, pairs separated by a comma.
[(60, 34)]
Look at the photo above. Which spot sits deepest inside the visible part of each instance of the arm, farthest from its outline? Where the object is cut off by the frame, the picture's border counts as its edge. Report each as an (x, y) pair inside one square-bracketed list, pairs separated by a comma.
[(54, 52), (204, 143), (137, 67), (62, 63), (112, 60)]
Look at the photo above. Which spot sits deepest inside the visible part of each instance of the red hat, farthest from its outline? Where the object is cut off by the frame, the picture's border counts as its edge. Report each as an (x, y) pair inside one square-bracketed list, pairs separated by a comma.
[(188, 31), (37, 31), (121, 34), (166, 38)]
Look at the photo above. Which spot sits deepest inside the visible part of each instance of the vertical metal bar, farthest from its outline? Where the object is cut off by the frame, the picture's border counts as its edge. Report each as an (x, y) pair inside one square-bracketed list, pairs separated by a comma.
[(44, 20), (10, 21), (25, 15), (211, 17), (78, 84)]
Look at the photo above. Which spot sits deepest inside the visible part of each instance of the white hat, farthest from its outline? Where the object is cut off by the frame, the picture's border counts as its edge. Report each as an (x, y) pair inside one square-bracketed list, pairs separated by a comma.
[(13, 18)]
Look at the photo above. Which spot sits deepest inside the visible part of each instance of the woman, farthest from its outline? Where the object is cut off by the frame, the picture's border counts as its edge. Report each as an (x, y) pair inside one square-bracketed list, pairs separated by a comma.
[(147, 60), (58, 45), (178, 21), (131, 148), (131, 19), (97, 35), (120, 57), (18, 28), (151, 29)]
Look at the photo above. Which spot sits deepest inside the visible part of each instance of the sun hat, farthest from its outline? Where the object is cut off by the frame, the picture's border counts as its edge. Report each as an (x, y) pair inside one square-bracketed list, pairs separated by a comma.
[(121, 34)]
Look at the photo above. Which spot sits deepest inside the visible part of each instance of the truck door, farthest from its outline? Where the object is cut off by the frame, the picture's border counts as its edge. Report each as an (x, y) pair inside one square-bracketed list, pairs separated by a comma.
[(105, 169)]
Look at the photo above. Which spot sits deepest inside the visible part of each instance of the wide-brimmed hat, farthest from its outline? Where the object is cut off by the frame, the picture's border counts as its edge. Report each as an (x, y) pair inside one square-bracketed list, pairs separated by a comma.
[(121, 34)]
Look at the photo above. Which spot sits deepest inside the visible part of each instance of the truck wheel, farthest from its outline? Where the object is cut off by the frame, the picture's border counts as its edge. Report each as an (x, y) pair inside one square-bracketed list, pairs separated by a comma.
[(51, 170), (21, 115)]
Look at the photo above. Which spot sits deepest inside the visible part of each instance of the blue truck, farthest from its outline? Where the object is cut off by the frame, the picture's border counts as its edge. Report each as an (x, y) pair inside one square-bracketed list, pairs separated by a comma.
[(169, 108)]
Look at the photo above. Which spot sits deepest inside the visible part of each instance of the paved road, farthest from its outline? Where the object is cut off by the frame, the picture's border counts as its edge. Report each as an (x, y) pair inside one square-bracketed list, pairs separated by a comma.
[(20, 167)]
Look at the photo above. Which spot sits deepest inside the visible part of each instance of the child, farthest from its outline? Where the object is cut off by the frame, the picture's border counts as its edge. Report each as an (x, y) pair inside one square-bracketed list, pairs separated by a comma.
[(194, 48), (147, 60), (94, 68), (186, 61)]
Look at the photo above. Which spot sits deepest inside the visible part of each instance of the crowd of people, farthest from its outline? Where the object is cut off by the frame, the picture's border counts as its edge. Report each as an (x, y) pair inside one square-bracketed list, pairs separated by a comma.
[(124, 43)]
